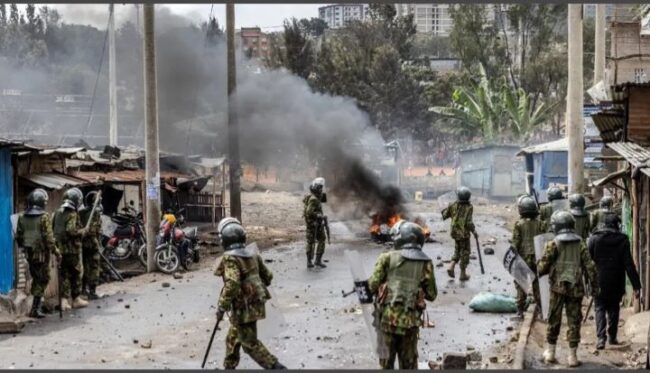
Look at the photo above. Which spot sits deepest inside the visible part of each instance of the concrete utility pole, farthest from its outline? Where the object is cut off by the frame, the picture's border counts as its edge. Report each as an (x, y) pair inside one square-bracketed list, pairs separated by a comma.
[(112, 133), (574, 107), (599, 44), (233, 130), (152, 173)]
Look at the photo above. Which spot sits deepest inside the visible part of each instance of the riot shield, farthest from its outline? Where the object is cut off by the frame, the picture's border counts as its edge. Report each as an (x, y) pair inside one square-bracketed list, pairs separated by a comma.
[(446, 199), (367, 307), (14, 223), (544, 286), (518, 269), (274, 323), (560, 205)]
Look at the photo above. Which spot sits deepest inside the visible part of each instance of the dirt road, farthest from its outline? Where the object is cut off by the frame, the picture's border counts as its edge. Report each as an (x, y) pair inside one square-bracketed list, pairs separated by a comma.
[(155, 321)]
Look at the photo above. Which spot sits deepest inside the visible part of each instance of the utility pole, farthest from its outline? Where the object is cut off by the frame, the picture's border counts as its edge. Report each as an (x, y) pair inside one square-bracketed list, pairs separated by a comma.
[(152, 173), (233, 129), (574, 107), (112, 133), (599, 44)]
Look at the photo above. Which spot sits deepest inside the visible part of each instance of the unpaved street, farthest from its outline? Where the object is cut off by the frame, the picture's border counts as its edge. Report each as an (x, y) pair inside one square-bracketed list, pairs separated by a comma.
[(142, 323)]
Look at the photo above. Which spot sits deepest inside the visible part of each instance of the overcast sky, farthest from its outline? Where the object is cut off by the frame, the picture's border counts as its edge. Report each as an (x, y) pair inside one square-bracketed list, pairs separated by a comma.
[(267, 16)]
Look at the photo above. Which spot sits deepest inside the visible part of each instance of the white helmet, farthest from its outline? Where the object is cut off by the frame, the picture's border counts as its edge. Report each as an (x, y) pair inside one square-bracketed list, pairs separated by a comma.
[(317, 185)]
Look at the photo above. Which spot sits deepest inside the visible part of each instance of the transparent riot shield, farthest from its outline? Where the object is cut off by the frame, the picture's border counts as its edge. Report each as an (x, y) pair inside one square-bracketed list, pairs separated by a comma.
[(14, 223), (518, 269), (560, 205), (367, 307), (446, 199), (544, 286), (274, 323)]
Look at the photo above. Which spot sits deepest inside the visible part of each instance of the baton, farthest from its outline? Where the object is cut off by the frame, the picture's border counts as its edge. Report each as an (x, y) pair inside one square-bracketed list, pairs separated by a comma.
[(591, 303), (58, 272), (207, 352), (480, 257)]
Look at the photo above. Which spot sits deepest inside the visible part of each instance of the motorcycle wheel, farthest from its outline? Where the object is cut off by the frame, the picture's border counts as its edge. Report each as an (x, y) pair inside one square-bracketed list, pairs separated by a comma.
[(142, 255), (167, 260)]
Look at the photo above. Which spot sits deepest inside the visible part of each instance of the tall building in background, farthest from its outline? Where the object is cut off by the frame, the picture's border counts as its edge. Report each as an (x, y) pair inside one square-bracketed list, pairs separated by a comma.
[(253, 42), (338, 15), (428, 18)]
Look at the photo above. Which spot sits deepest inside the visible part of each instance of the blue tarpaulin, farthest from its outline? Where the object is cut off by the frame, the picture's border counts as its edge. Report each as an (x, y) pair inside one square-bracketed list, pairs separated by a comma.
[(6, 234)]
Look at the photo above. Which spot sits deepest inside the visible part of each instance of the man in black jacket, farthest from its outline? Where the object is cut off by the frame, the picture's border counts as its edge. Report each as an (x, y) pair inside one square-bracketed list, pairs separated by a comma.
[(610, 250)]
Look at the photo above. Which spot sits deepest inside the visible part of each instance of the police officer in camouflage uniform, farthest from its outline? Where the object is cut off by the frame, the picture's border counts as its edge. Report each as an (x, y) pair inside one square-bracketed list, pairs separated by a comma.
[(244, 294), (401, 282), (462, 227), (90, 245), (598, 216), (567, 262), (580, 215), (34, 235), (314, 221), (68, 233), (553, 193), (523, 234)]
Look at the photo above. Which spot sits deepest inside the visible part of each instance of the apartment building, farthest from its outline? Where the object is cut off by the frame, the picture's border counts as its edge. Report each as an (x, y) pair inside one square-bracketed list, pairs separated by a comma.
[(253, 42), (428, 18), (338, 15)]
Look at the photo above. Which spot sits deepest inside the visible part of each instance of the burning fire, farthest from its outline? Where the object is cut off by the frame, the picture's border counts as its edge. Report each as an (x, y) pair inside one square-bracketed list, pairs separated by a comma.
[(380, 228)]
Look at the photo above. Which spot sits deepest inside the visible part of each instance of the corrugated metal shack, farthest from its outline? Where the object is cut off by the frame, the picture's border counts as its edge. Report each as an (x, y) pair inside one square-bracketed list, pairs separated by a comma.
[(625, 128), (492, 170), (546, 164)]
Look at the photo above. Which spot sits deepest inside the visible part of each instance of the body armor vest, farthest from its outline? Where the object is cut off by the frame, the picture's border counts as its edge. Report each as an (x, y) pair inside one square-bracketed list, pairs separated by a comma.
[(529, 229), (32, 232), (60, 218), (253, 289), (404, 277), (567, 266)]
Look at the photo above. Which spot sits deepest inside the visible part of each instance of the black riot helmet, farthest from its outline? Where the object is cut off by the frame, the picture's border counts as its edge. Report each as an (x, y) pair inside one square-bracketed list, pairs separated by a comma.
[(612, 222), (527, 207), (73, 198), (606, 202), (233, 235), (463, 194), (409, 235), (577, 204), (36, 202), (554, 193), (562, 222)]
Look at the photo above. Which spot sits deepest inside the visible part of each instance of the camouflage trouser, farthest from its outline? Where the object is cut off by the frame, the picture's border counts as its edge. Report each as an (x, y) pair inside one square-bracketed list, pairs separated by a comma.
[(521, 294), (91, 265), (315, 237), (40, 272), (574, 318), (461, 252), (245, 336), (404, 347), (71, 275)]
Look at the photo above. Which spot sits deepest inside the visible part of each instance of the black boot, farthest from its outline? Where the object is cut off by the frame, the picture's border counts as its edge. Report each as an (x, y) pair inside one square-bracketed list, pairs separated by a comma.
[(92, 292), (601, 344), (319, 263), (309, 263), (277, 365), (36, 311)]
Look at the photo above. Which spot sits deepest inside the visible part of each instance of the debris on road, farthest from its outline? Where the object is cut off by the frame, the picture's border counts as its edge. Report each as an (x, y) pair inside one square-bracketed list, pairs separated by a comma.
[(454, 360), (488, 251), (493, 303), (166, 284), (147, 344)]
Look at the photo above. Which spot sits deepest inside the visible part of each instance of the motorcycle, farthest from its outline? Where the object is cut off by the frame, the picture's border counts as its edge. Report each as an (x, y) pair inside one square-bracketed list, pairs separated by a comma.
[(127, 240), (172, 239)]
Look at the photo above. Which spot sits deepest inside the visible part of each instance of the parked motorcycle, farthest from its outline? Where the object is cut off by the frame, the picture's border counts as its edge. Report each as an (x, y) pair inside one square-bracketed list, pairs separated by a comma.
[(127, 240), (171, 241)]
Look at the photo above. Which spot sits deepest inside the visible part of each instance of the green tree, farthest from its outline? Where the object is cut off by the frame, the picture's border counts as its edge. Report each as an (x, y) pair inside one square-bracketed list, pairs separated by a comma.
[(298, 49), (315, 27), (213, 33)]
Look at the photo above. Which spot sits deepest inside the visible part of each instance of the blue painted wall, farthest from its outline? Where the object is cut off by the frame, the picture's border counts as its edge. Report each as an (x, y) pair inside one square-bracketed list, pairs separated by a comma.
[(549, 168), (6, 234)]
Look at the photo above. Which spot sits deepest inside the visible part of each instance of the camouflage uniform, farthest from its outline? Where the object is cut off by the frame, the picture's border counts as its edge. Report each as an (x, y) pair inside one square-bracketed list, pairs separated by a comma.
[(244, 294), (545, 212), (582, 226), (67, 232), (462, 227), (401, 286), (315, 229), (523, 235), (566, 266), (90, 247), (34, 235), (598, 218)]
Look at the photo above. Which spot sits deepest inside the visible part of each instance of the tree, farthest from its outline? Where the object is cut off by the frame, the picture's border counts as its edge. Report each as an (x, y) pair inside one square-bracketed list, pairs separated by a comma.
[(213, 33), (14, 17), (298, 49), (314, 27)]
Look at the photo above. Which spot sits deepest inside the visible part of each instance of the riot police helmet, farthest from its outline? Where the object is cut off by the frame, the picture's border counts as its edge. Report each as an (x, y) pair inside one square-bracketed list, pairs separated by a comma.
[(36, 202), (463, 194), (562, 222), (527, 207)]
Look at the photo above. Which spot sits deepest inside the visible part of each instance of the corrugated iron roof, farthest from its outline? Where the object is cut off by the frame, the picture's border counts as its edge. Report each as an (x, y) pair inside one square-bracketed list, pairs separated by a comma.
[(54, 181), (209, 162), (611, 177), (561, 145), (124, 176), (635, 154), (610, 125), (488, 146)]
